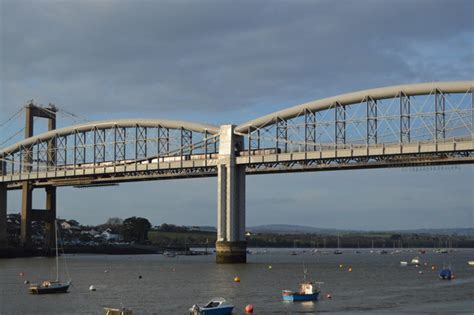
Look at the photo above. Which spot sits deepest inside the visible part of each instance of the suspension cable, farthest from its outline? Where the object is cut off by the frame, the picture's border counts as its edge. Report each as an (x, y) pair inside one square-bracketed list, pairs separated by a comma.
[(13, 136), (12, 117)]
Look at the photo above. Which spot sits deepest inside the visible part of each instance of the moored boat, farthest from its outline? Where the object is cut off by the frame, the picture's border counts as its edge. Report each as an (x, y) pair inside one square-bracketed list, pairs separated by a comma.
[(307, 292), (446, 274), (49, 287), (217, 306), (169, 254), (117, 311)]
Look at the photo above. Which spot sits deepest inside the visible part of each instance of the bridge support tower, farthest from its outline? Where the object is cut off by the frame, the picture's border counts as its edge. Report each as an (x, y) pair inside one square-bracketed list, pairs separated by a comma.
[(28, 214), (3, 209), (231, 246)]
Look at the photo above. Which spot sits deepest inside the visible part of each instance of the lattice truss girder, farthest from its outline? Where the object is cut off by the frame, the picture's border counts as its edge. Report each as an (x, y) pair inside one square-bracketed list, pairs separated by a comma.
[(402, 119), (113, 146), (374, 161)]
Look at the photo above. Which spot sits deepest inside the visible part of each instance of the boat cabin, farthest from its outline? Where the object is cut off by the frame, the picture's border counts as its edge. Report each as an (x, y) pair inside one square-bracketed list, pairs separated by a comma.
[(306, 288)]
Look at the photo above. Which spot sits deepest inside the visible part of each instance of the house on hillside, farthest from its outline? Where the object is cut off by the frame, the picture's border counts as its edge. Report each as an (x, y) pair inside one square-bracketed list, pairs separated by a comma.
[(108, 236)]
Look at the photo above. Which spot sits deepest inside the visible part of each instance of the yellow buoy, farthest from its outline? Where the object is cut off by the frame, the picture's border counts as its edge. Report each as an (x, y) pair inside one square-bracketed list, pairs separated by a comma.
[(340, 266), (433, 267), (236, 279), (269, 267), (350, 269)]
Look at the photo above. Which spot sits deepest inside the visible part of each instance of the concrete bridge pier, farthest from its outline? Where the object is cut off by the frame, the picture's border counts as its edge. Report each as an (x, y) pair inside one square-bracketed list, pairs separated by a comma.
[(3, 215), (26, 204), (28, 214), (47, 215), (3, 209), (231, 246)]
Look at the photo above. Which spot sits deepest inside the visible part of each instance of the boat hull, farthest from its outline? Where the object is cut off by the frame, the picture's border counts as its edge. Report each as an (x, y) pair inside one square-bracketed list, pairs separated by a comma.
[(50, 290), (300, 297), (446, 274), (227, 310)]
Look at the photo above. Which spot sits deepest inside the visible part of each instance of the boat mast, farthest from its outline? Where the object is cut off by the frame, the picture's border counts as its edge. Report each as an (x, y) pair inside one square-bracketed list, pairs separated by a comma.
[(57, 256)]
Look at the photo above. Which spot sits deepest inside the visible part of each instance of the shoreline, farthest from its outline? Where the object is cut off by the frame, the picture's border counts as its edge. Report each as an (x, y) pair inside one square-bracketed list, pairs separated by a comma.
[(20, 252)]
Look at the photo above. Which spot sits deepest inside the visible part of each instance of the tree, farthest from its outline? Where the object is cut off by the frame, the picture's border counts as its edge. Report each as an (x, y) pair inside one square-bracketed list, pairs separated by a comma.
[(395, 237), (114, 221), (135, 229)]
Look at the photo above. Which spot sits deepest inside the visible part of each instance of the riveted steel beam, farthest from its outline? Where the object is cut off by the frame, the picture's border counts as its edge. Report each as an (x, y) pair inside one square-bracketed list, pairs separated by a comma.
[(371, 121)]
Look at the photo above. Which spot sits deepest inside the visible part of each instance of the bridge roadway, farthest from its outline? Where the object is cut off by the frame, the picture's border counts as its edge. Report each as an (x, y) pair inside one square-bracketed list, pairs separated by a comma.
[(449, 151)]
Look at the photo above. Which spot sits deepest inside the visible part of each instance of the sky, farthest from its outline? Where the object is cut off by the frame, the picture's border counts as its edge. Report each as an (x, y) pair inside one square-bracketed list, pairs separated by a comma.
[(224, 62)]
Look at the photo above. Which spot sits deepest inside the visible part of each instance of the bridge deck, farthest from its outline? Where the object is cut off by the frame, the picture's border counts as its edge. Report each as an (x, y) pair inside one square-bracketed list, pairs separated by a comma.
[(326, 158)]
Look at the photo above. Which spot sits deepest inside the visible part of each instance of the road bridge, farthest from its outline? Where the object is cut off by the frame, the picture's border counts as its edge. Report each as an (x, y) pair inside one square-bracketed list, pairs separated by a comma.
[(397, 126)]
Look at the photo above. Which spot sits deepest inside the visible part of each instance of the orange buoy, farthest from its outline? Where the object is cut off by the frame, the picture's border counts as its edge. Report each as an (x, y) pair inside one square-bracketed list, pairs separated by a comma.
[(328, 296), (249, 308), (22, 274), (236, 279)]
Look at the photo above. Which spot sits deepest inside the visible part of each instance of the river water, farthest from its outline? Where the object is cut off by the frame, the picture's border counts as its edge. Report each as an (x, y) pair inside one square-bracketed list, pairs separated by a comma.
[(377, 283)]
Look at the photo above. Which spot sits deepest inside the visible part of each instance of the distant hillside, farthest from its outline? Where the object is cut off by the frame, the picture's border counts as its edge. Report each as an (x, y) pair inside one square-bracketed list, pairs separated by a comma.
[(454, 231), (291, 229), (299, 229)]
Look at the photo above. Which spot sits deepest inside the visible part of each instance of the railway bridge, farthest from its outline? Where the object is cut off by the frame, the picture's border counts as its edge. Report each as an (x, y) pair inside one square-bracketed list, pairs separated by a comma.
[(396, 126)]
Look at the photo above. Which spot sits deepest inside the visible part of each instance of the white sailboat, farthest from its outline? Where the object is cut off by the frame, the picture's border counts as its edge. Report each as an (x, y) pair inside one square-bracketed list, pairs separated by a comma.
[(51, 286)]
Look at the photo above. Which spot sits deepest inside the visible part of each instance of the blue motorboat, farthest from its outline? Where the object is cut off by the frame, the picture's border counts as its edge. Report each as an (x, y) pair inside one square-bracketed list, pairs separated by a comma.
[(446, 274), (217, 306), (307, 292)]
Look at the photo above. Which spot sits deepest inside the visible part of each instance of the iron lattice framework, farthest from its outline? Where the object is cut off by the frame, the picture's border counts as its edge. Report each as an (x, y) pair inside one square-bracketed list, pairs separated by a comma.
[(387, 127), (435, 116), (112, 146)]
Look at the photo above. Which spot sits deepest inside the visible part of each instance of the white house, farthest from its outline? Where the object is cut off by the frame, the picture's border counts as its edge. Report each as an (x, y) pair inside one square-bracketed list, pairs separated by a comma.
[(110, 237)]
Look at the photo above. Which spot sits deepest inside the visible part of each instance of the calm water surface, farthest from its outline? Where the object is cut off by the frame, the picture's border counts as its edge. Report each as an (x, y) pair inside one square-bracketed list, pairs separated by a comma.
[(377, 283)]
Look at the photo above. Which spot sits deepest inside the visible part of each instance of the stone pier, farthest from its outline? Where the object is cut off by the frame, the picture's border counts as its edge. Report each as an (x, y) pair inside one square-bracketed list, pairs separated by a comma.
[(231, 246)]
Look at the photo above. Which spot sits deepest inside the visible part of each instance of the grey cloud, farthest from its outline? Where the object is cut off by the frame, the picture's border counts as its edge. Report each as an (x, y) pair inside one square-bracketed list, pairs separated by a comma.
[(222, 56)]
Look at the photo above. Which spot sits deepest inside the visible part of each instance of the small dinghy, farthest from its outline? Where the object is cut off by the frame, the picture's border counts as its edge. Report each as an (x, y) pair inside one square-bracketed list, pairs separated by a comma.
[(117, 311), (217, 306), (169, 254), (446, 274)]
